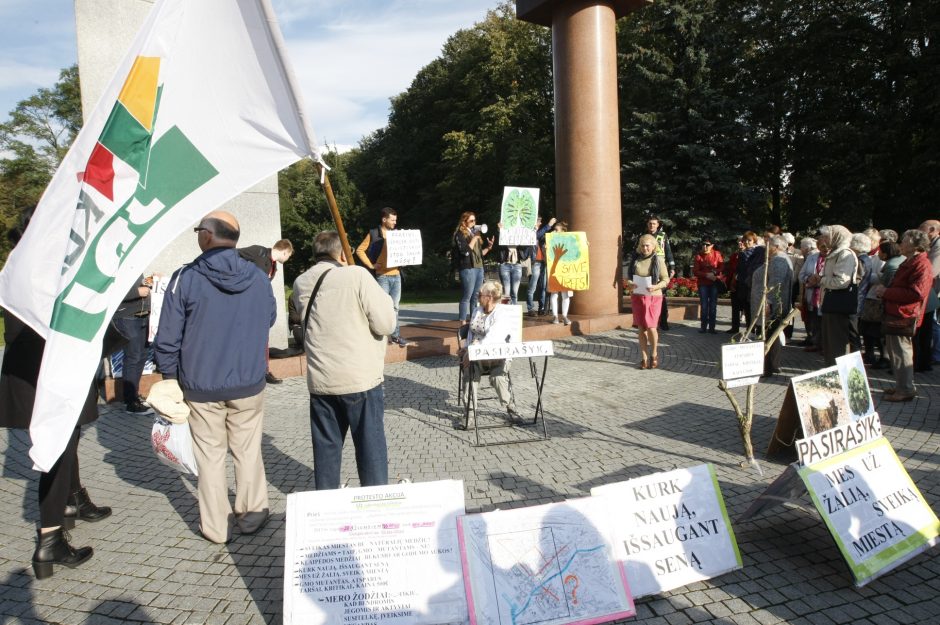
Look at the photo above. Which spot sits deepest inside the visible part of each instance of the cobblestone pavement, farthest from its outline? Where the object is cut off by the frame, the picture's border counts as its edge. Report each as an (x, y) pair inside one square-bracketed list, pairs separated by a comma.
[(608, 421)]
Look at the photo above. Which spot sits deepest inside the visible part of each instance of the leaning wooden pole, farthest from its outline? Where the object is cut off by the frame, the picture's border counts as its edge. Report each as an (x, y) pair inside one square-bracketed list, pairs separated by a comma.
[(334, 210)]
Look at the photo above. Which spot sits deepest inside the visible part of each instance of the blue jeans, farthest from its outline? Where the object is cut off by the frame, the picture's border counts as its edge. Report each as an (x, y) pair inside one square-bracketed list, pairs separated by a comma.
[(510, 275), (708, 300), (135, 354), (392, 286), (536, 286), (471, 280), (331, 416)]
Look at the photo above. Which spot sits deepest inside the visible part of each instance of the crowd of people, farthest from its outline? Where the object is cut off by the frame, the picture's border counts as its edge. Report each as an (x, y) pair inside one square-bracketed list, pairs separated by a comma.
[(874, 291)]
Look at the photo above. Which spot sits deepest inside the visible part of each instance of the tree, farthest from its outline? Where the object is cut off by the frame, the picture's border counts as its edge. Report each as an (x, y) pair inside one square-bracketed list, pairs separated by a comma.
[(474, 120), (305, 212), (681, 133), (36, 137)]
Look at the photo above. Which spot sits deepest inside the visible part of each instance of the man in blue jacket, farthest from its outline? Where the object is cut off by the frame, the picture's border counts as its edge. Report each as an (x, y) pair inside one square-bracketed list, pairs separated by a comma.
[(209, 302)]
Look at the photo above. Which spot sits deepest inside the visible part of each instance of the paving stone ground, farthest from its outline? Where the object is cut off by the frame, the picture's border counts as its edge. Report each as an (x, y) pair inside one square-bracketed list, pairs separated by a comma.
[(608, 421)]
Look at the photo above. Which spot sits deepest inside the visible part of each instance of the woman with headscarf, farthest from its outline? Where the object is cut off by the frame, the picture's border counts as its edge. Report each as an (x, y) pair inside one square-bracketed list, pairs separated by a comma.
[(646, 307), (839, 283), (906, 297)]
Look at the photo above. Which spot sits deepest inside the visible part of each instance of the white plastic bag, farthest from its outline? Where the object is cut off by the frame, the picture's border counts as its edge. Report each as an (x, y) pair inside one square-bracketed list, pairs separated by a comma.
[(173, 444)]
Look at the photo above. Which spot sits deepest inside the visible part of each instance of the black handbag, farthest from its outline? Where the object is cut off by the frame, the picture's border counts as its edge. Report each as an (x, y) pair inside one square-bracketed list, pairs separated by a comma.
[(841, 301)]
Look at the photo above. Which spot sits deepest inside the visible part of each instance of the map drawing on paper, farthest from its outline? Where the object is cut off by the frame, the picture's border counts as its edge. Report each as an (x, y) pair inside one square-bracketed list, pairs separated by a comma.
[(553, 573)]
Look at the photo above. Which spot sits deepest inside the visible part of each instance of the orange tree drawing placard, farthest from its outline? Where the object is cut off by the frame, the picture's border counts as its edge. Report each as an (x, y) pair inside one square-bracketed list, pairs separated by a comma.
[(567, 261)]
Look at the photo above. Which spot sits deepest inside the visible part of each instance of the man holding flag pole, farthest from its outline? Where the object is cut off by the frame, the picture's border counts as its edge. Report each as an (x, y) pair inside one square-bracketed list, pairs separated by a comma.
[(193, 116)]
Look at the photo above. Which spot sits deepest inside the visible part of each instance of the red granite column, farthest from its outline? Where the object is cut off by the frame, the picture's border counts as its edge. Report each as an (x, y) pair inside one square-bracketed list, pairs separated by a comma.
[(587, 132)]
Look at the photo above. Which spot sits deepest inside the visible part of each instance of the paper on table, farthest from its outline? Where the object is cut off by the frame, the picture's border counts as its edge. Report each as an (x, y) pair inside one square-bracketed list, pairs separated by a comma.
[(643, 285)]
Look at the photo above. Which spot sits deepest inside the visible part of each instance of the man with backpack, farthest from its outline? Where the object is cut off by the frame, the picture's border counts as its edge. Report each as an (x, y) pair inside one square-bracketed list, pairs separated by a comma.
[(372, 254)]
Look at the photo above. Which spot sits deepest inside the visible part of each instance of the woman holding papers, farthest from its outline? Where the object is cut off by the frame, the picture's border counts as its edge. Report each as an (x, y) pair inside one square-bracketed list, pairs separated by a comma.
[(648, 278), (480, 325)]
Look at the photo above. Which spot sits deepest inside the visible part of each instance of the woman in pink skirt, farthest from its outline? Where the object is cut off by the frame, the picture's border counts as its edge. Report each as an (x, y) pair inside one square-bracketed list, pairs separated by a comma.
[(648, 278)]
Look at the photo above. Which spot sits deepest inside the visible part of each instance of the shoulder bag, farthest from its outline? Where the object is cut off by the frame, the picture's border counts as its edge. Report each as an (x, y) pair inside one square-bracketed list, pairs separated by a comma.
[(842, 301), (313, 296), (896, 325)]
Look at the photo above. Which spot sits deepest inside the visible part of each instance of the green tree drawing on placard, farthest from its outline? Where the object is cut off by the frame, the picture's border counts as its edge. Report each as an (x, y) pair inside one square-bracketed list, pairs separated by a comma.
[(520, 210)]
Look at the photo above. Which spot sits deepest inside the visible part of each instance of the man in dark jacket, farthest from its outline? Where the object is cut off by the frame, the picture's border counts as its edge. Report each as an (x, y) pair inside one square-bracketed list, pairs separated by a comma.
[(266, 259), (207, 303), (132, 320)]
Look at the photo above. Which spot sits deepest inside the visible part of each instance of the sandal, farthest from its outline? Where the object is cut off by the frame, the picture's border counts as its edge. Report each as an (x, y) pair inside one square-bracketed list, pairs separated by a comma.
[(655, 363), (644, 364)]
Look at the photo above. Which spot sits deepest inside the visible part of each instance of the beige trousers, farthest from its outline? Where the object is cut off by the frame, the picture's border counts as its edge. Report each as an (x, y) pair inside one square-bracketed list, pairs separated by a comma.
[(216, 427)]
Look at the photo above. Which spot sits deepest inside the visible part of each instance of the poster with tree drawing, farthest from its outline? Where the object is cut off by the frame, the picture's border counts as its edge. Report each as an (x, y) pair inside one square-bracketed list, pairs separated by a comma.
[(567, 261), (518, 213)]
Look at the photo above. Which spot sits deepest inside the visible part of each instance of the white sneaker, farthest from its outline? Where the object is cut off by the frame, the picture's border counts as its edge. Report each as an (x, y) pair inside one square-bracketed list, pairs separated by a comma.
[(555, 319), (567, 323)]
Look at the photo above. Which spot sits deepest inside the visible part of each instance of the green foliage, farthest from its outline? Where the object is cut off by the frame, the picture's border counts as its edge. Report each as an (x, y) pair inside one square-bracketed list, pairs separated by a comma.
[(858, 392), (305, 211), (34, 141), (473, 121)]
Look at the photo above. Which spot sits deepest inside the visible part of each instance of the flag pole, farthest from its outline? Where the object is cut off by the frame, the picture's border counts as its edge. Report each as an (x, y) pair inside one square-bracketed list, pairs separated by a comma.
[(334, 210)]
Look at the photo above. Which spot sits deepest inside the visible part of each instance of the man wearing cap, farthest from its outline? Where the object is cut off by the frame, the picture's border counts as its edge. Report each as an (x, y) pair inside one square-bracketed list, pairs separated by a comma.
[(707, 269), (212, 336)]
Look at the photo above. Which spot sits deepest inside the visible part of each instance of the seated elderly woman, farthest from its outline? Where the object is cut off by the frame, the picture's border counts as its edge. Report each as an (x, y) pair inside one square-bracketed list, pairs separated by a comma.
[(482, 321)]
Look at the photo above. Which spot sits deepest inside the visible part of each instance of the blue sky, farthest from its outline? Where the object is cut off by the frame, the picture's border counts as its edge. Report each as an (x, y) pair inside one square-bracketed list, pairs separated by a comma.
[(350, 56)]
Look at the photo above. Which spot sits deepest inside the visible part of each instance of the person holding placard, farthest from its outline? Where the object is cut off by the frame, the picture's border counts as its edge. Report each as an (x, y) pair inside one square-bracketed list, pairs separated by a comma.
[(511, 258), (556, 294), (372, 254), (469, 249), (538, 278), (648, 277)]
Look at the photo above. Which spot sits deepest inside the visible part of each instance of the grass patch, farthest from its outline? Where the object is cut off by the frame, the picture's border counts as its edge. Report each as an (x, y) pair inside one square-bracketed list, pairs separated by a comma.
[(440, 296)]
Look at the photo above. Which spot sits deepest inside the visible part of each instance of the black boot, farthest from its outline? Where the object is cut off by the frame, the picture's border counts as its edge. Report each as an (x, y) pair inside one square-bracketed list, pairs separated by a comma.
[(54, 548), (79, 506)]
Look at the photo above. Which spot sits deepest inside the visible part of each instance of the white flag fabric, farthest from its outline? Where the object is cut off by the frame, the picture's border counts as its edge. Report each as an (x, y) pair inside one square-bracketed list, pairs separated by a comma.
[(201, 108)]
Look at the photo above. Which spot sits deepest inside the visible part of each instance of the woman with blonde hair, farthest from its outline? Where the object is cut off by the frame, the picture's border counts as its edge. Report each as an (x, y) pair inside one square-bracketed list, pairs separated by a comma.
[(469, 249), (647, 302)]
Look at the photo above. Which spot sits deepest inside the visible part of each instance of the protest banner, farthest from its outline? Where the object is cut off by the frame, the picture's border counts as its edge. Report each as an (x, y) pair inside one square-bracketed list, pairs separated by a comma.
[(567, 262), (838, 440), (517, 214), (670, 529), (156, 304), (742, 363), (176, 133), (501, 351), (873, 510), (548, 564), (384, 554), (403, 248)]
